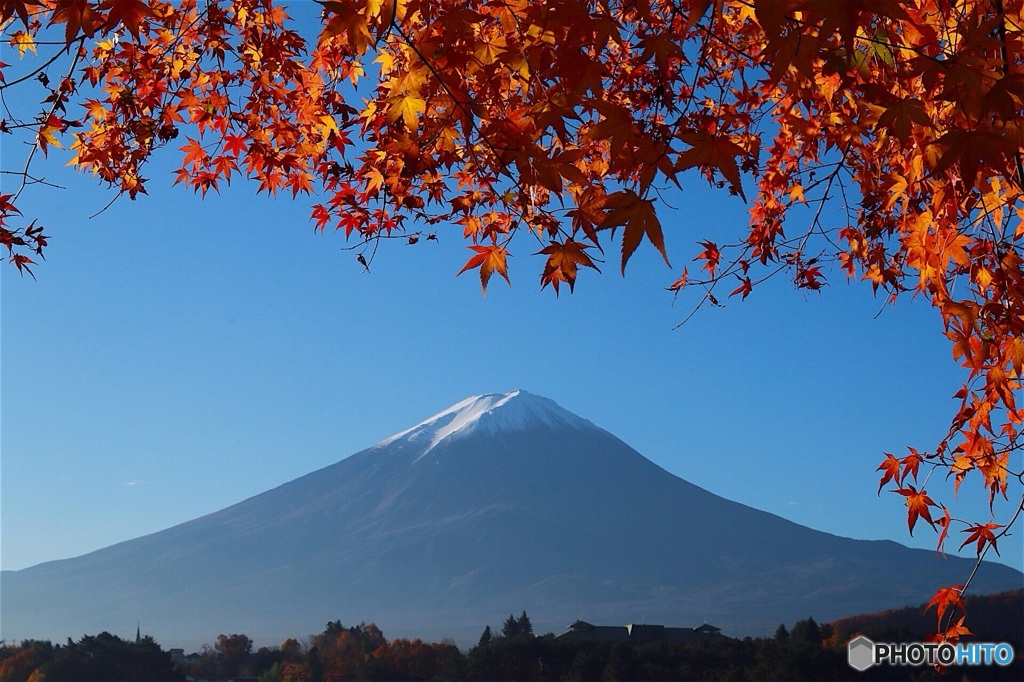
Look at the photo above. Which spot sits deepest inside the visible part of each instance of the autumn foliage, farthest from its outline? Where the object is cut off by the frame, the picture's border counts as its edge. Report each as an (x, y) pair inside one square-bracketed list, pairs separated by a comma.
[(877, 139)]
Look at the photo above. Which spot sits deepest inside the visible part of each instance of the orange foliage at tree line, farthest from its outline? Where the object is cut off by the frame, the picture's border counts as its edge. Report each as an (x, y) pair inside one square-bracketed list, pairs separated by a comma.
[(564, 119)]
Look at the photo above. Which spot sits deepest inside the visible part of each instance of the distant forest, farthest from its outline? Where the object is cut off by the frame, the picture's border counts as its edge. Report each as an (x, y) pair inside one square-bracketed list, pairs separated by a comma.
[(805, 651)]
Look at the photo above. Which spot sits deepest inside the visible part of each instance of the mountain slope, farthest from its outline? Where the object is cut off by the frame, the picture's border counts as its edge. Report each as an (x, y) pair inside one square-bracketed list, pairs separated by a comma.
[(501, 503)]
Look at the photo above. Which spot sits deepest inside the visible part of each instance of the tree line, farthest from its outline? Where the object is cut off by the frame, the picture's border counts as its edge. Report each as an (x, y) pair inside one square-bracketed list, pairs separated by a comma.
[(805, 651)]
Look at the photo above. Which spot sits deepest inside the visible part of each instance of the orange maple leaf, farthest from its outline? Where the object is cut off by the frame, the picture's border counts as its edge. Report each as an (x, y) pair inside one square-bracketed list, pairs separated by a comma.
[(744, 288), (638, 216), (563, 261), (944, 599), (713, 152), (981, 534), (130, 13), (8, 8), (891, 469), (78, 16), (680, 283), (489, 259), (955, 631), (943, 523), (917, 506), (46, 136), (712, 255), (911, 464), (898, 117)]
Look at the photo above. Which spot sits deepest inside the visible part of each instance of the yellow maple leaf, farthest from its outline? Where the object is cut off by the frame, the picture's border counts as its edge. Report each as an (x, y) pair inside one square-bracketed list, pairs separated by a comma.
[(329, 126), (24, 42), (406, 107), (488, 51), (47, 137)]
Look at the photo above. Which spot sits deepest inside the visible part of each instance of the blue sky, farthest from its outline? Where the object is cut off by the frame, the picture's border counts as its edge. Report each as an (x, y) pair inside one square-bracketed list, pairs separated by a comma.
[(175, 356)]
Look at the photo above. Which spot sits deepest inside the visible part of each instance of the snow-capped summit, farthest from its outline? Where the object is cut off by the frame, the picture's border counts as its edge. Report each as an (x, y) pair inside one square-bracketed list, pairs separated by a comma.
[(517, 410)]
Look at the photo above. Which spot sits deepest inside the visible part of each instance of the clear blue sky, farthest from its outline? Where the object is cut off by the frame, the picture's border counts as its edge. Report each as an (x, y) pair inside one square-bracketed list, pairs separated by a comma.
[(176, 356)]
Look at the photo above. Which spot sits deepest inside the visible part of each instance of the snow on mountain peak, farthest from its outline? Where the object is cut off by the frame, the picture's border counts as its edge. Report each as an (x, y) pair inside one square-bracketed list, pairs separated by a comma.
[(513, 411)]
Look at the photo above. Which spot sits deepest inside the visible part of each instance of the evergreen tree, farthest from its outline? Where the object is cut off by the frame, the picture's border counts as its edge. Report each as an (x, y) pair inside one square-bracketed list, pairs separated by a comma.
[(316, 666), (485, 638), (782, 634), (511, 627), (806, 633), (524, 625)]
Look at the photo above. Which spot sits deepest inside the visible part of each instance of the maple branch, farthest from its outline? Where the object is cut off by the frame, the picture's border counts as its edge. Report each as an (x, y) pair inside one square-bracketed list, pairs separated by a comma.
[(66, 47), (43, 121), (105, 206), (33, 180), (468, 113), (472, 122), (983, 552), (1004, 54), (815, 221)]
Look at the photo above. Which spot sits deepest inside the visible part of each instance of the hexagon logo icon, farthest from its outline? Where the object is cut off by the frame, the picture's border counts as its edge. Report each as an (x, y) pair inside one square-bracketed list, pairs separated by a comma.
[(861, 653)]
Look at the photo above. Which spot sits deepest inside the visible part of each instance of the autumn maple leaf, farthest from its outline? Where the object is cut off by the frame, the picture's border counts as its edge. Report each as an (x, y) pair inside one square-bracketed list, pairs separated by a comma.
[(637, 214), (891, 469), (130, 13), (981, 534), (46, 135), (898, 117), (489, 259), (955, 631), (711, 254), (680, 283), (944, 599), (22, 262), (406, 106), (911, 464), (943, 523), (563, 261), (8, 8), (917, 505), (744, 288), (713, 152), (77, 16)]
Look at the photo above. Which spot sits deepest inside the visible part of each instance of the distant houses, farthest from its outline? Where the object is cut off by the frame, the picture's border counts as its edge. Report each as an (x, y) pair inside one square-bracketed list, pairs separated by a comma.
[(639, 634)]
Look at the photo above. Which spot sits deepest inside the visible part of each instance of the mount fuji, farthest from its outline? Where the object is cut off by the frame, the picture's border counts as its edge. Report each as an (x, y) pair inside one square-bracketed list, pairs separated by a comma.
[(500, 503)]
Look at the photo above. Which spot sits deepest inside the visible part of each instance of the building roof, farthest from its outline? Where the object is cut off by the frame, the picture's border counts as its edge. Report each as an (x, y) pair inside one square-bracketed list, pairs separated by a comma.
[(641, 632)]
